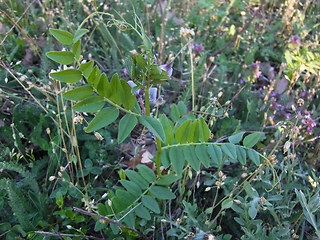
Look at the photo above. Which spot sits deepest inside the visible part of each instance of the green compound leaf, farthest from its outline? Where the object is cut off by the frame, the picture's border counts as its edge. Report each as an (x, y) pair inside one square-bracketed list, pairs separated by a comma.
[(182, 132), (167, 179), (191, 157), (175, 113), (94, 77), (126, 125), (204, 132), (78, 93), (103, 118), (126, 197), (242, 155), (62, 36), (146, 173), (76, 49), (103, 87), (215, 153), (129, 99), (227, 203), (182, 107), (142, 212), (90, 104), (251, 140), (62, 57), (141, 61), (254, 156), (165, 158), (102, 209), (79, 33), (253, 210), (154, 126), (131, 187), (168, 129), (230, 150), (86, 68), (193, 135), (202, 154), (150, 203), (177, 159), (68, 76), (117, 93), (162, 192), (137, 178), (236, 138)]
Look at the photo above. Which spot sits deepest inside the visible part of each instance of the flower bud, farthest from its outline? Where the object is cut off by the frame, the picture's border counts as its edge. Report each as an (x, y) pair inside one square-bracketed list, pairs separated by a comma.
[(52, 178)]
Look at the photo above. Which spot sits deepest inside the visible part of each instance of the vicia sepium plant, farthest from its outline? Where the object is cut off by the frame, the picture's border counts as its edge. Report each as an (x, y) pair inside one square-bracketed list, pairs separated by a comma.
[(182, 138)]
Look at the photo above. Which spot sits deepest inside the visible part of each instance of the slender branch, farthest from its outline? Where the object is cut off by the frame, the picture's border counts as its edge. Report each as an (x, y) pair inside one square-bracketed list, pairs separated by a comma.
[(246, 26), (2, 64), (15, 23), (192, 78), (110, 221), (121, 108), (227, 108), (64, 235), (13, 90), (31, 42), (158, 156)]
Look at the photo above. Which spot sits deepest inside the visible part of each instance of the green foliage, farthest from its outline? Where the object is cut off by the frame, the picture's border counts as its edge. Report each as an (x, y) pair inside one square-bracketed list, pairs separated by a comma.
[(20, 198)]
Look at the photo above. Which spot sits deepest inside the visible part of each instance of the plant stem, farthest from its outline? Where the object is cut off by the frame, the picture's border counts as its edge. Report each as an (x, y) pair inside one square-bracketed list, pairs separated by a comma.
[(192, 77), (64, 235), (109, 220), (158, 156), (121, 108), (147, 101)]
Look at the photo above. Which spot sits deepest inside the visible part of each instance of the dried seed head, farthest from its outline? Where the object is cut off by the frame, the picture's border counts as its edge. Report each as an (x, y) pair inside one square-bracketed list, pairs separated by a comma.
[(286, 146), (102, 221), (263, 200), (98, 136), (133, 52), (244, 175), (272, 157), (223, 178)]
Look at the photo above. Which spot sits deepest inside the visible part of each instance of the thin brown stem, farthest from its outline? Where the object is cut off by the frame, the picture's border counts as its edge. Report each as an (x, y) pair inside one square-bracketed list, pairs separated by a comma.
[(232, 40), (227, 108), (142, 236), (33, 45), (65, 235)]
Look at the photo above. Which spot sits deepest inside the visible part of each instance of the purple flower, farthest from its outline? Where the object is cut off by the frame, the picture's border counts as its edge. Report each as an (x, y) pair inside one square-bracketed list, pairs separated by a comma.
[(254, 67), (198, 48), (295, 38), (295, 41), (125, 72), (308, 122), (152, 92), (167, 67)]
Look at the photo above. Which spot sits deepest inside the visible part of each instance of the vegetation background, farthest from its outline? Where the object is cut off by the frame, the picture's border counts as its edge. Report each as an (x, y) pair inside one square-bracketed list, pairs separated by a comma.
[(248, 68)]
